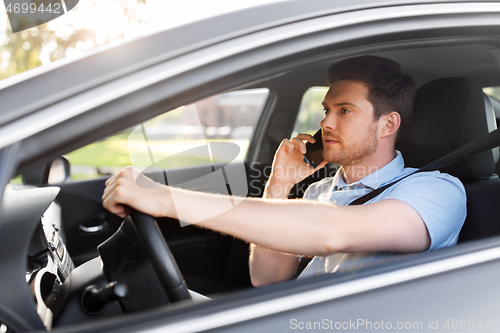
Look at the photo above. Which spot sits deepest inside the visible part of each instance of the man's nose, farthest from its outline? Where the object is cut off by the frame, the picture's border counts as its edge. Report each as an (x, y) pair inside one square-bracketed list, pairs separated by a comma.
[(329, 122)]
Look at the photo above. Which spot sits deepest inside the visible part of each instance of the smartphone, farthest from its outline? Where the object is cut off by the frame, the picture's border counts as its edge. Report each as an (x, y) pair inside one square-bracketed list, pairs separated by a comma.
[(314, 154)]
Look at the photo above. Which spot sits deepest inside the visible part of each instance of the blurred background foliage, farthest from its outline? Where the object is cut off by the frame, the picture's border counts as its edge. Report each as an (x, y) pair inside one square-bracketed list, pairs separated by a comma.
[(311, 111), (70, 35)]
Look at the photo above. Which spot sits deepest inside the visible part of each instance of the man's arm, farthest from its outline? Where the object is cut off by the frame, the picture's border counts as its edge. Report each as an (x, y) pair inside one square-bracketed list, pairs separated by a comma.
[(291, 226), (268, 266), (280, 226)]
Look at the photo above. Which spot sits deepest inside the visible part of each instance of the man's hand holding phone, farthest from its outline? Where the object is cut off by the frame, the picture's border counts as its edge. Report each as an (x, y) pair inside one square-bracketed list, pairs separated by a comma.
[(290, 166), (314, 154)]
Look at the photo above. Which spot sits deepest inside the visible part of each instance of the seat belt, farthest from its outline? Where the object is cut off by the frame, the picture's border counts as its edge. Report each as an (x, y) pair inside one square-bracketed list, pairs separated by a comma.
[(482, 144)]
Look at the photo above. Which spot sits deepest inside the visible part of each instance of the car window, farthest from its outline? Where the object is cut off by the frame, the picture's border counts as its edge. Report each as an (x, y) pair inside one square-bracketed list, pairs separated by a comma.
[(310, 112), (228, 117), (493, 92)]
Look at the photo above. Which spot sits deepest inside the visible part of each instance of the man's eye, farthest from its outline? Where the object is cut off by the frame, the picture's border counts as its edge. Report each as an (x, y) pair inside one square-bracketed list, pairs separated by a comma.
[(345, 111), (325, 110)]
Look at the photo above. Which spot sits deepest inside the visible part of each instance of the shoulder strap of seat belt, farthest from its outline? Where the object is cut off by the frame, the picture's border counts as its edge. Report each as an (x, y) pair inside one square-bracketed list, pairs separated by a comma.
[(484, 143)]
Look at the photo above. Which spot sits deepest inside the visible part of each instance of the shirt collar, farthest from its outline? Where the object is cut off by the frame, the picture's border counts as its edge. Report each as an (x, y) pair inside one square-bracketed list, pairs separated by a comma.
[(377, 178)]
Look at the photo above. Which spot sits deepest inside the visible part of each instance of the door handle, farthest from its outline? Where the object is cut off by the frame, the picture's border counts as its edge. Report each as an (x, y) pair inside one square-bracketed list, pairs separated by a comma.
[(94, 228)]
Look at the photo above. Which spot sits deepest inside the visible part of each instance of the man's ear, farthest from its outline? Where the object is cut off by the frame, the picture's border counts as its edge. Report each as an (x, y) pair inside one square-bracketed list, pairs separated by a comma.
[(390, 123)]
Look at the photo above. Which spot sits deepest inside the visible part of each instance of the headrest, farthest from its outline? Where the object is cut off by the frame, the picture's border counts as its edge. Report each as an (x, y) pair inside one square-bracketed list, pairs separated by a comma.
[(448, 114)]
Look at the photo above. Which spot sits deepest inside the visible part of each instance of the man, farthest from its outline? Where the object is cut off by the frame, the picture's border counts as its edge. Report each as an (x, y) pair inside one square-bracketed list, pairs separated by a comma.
[(367, 106)]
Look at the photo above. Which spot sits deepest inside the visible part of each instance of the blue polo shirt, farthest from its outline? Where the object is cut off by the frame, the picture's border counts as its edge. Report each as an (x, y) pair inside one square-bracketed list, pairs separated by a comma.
[(437, 197)]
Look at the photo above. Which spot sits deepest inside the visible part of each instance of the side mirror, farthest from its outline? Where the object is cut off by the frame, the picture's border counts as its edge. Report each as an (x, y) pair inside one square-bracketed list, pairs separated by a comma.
[(54, 172), (59, 170)]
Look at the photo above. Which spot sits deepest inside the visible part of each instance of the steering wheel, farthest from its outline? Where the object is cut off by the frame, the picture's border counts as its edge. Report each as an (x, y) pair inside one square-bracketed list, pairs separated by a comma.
[(138, 256), (161, 257)]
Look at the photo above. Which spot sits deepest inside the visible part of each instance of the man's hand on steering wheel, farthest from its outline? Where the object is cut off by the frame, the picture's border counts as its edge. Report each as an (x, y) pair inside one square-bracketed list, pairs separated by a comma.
[(122, 190), (146, 201)]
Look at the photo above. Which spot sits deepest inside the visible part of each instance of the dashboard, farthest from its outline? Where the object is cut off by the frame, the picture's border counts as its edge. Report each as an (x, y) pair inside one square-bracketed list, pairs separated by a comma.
[(49, 263), (34, 261), (41, 287)]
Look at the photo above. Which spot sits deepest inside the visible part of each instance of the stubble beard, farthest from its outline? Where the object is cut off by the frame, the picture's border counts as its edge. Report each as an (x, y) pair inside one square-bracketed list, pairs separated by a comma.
[(355, 153)]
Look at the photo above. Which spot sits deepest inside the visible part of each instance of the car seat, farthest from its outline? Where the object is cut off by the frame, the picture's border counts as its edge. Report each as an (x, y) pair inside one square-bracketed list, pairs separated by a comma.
[(449, 113)]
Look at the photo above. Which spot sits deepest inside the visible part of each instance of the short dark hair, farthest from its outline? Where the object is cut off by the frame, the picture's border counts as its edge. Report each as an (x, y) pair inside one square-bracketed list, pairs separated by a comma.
[(388, 88)]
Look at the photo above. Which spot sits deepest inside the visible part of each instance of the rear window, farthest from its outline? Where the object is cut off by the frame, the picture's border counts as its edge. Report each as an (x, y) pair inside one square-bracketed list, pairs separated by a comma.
[(493, 92), (310, 112)]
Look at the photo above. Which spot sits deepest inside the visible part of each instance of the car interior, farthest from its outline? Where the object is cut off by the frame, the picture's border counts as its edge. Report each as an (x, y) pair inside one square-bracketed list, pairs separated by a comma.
[(451, 110), (455, 111)]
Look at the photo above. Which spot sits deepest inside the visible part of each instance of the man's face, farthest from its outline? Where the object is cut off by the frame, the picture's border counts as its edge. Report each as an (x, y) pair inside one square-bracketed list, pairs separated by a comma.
[(350, 134)]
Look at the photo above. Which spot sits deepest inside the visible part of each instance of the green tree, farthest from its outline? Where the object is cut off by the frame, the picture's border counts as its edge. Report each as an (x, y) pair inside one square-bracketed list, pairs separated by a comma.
[(68, 36)]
